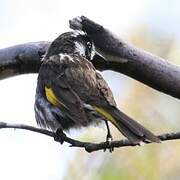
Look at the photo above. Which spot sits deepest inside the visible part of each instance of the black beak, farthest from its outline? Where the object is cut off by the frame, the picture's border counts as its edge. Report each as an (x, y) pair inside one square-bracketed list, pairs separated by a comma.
[(99, 61)]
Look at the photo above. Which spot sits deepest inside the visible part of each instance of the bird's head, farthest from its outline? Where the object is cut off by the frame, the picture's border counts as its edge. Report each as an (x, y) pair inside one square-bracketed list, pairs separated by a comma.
[(72, 43)]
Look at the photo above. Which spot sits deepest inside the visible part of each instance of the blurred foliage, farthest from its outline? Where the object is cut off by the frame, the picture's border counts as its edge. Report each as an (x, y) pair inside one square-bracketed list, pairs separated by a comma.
[(158, 112)]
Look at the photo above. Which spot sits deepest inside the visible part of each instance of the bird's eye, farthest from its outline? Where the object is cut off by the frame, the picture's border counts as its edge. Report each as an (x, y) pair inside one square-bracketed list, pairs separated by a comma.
[(89, 45)]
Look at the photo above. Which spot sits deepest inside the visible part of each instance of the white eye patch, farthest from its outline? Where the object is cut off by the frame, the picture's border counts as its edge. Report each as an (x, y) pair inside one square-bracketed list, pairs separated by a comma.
[(80, 48)]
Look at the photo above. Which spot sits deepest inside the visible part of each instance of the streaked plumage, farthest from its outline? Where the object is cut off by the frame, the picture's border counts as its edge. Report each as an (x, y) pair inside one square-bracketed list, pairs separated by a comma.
[(71, 93)]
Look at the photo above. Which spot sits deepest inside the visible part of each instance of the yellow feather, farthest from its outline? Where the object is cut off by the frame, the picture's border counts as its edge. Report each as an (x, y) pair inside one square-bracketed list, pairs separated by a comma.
[(107, 116), (52, 98)]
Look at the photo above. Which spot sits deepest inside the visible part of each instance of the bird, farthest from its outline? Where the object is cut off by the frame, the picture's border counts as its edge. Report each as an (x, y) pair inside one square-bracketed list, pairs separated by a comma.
[(71, 93)]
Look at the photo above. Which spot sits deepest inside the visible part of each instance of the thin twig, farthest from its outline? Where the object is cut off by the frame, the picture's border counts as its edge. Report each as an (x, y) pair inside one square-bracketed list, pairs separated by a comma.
[(89, 147)]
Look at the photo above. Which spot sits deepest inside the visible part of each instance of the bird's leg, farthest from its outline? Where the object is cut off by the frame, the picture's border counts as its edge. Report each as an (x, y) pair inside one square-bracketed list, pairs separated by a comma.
[(60, 135), (109, 137)]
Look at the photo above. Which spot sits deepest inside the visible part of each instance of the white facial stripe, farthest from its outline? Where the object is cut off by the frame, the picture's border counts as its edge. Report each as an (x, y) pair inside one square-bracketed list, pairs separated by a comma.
[(80, 48), (92, 52)]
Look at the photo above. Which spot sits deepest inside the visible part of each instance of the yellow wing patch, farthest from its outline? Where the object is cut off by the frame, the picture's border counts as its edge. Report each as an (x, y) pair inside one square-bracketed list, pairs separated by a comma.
[(52, 98), (102, 112)]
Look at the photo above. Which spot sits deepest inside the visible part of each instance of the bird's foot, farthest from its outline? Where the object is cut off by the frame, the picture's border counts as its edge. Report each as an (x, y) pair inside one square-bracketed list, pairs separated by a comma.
[(60, 136), (109, 140)]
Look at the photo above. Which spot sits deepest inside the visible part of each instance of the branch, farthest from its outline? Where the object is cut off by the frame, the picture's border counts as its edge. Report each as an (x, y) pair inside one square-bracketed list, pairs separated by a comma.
[(89, 147), (24, 58), (120, 57), (124, 58), (21, 59)]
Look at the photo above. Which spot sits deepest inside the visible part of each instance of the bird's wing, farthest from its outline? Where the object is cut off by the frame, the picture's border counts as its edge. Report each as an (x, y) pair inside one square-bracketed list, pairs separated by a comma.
[(87, 83), (73, 82), (58, 90)]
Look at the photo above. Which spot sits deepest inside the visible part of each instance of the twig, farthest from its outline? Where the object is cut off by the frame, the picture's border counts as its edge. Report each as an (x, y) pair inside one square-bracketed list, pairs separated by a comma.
[(89, 147)]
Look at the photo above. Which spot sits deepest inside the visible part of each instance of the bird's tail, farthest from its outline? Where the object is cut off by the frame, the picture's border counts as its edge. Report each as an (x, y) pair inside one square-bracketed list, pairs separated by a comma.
[(134, 131)]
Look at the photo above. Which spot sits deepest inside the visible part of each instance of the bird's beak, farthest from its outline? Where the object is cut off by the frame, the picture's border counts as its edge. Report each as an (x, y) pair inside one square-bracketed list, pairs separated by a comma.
[(99, 61), (96, 55), (99, 56)]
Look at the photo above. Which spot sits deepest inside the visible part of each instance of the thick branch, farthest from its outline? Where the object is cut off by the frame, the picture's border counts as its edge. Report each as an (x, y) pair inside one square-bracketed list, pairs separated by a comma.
[(124, 58), (89, 147), (121, 57), (21, 59), (24, 58)]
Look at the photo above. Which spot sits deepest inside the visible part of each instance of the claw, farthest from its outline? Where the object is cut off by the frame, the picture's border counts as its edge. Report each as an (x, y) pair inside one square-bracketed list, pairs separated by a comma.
[(109, 139), (60, 136)]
